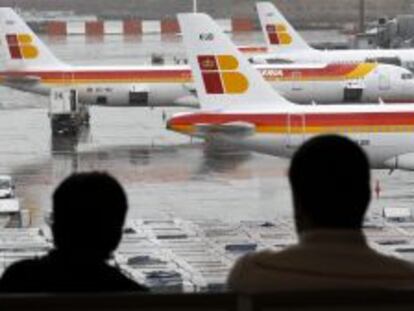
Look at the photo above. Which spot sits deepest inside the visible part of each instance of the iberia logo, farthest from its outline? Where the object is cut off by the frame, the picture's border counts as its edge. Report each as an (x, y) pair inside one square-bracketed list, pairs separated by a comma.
[(21, 46), (220, 74), (278, 34)]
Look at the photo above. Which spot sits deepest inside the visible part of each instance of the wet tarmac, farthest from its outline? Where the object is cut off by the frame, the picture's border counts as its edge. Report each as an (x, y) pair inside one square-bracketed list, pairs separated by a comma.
[(165, 174)]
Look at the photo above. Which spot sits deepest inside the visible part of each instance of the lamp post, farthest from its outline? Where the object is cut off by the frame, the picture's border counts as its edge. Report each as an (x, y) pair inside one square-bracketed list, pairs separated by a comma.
[(361, 16)]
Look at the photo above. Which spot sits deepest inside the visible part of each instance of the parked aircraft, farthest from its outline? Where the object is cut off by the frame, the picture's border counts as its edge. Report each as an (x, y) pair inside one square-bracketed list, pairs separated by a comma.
[(341, 83), (239, 108), (27, 64), (285, 44)]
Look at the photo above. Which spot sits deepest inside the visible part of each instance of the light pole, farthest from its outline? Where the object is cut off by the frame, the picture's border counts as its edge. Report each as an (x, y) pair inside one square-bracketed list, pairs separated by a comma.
[(195, 6), (361, 16)]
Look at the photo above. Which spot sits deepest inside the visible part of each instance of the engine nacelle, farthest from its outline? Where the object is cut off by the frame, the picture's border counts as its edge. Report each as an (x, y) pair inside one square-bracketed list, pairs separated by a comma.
[(402, 162)]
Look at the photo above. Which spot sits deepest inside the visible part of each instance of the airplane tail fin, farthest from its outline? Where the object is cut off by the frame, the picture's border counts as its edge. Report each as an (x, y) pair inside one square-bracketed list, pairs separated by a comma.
[(223, 77), (279, 34), (20, 46)]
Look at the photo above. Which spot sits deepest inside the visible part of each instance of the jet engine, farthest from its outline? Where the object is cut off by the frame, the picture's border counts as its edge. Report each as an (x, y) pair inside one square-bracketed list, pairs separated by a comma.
[(403, 162)]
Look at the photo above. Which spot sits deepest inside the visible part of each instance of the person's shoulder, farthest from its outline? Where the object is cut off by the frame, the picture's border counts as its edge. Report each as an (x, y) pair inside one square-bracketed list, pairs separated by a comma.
[(269, 255), (122, 282), (266, 255), (21, 272), (24, 265), (253, 257), (395, 263), (247, 265)]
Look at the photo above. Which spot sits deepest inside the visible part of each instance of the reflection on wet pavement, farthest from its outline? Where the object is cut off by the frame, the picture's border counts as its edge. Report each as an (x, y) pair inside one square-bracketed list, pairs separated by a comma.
[(163, 173)]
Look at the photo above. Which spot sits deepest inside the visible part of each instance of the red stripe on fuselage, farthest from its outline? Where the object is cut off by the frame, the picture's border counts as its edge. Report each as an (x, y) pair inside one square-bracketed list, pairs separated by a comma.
[(103, 75), (253, 49), (311, 119), (331, 70)]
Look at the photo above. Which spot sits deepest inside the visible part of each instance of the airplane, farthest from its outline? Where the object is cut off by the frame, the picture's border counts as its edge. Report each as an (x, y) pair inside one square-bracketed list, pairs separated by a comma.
[(239, 109), (340, 83), (285, 44), (28, 65)]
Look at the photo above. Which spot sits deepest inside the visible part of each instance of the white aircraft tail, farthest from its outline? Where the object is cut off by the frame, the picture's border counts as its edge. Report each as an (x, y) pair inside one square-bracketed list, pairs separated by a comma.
[(279, 34), (223, 77), (21, 49)]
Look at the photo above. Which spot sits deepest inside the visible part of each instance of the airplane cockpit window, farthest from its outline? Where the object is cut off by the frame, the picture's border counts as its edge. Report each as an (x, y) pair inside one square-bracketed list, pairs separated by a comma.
[(385, 60), (407, 76)]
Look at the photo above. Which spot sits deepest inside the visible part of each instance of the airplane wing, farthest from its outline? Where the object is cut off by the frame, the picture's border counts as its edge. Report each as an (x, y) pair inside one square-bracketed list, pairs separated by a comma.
[(187, 101), (11, 79), (228, 129)]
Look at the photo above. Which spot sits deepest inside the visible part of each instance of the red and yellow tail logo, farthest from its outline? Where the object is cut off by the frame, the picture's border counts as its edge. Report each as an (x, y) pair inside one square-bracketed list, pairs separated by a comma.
[(220, 74), (21, 46), (278, 34)]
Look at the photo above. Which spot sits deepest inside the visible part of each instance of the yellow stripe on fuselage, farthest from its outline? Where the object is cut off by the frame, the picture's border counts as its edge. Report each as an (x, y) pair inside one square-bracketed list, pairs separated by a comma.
[(361, 70)]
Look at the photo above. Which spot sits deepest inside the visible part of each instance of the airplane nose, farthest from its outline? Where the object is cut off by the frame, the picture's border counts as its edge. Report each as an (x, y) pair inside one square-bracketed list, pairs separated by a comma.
[(168, 124)]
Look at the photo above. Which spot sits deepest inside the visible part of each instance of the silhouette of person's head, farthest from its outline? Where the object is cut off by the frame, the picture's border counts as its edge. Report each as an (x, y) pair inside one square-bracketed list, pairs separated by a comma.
[(88, 215), (330, 181)]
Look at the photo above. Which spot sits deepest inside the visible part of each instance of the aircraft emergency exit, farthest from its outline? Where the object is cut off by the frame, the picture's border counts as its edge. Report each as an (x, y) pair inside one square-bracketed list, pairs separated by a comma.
[(285, 44), (239, 108)]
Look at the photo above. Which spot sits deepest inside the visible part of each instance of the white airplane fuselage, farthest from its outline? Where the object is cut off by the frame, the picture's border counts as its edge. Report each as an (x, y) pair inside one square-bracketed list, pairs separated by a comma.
[(391, 84), (257, 118), (173, 85), (401, 57), (386, 132), (110, 86)]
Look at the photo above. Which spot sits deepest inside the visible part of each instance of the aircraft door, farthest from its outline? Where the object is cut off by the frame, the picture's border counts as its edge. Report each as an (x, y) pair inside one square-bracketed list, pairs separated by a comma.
[(138, 96), (353, 92), (295, 130), (73, 100), (384, 83)]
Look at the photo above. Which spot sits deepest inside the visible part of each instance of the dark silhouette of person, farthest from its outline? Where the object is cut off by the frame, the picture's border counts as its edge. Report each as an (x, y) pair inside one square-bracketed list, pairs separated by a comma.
[(89, 210), (330, 181)]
